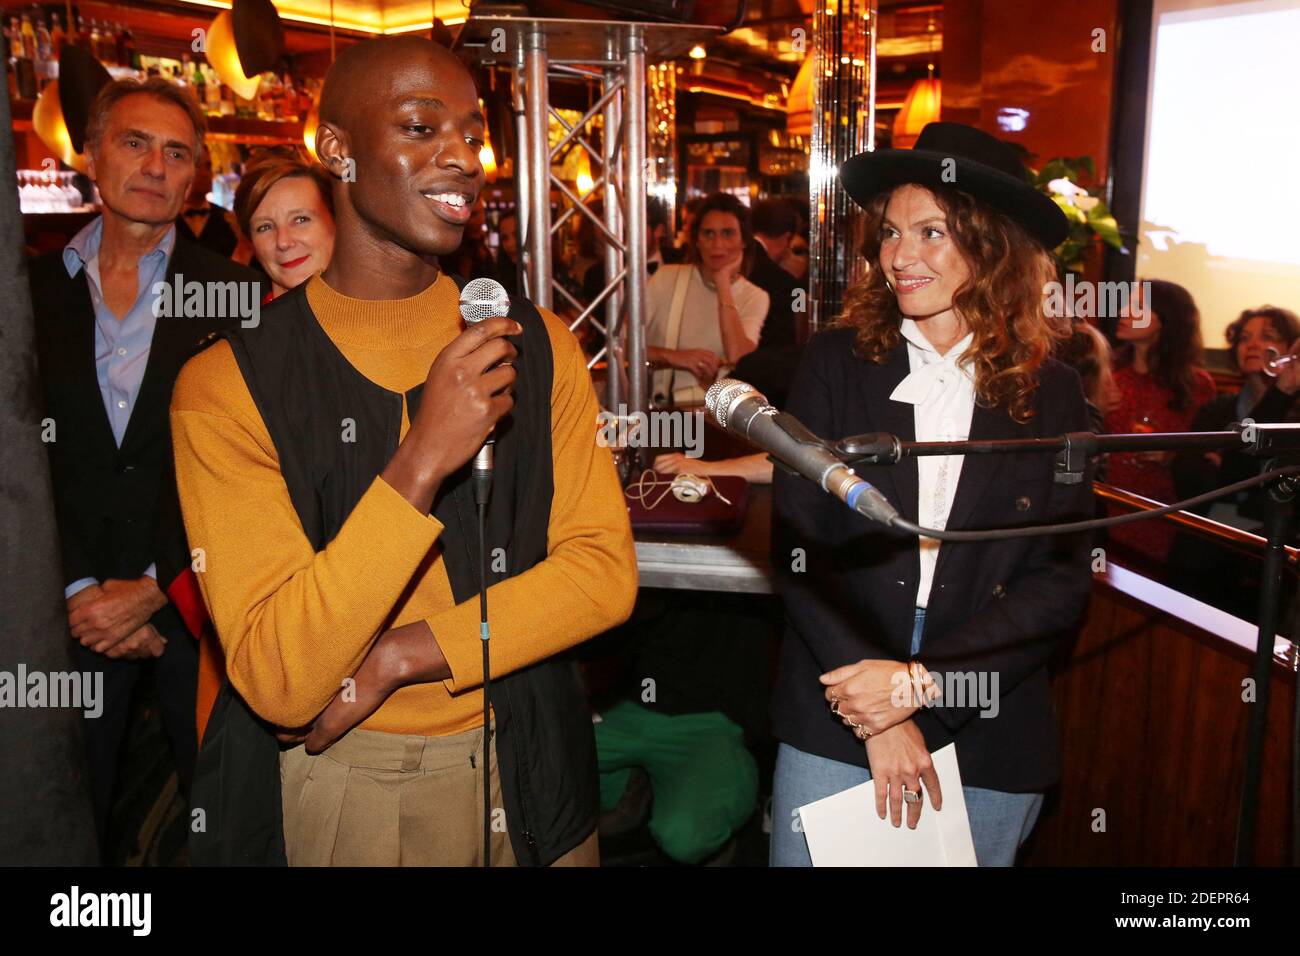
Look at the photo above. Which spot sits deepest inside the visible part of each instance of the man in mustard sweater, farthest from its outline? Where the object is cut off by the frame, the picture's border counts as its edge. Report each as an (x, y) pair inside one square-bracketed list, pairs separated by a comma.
[(322, 466)]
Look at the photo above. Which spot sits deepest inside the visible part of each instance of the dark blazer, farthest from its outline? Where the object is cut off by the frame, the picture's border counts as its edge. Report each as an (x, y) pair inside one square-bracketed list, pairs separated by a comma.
[(997, 606), (216, 234), (779, 329), (117, 508), (1194, 474), (770, 368)]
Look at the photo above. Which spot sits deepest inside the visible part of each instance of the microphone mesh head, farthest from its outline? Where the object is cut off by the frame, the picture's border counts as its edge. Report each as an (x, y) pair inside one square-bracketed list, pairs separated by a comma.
[(722, 394), (482, 299)]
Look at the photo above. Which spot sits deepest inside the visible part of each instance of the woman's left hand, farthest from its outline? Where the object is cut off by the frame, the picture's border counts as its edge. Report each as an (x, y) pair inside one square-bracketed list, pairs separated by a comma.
[(871, 694)]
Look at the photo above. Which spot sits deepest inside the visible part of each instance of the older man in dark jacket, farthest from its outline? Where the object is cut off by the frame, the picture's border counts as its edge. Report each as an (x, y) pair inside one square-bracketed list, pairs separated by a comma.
[(118, 311)]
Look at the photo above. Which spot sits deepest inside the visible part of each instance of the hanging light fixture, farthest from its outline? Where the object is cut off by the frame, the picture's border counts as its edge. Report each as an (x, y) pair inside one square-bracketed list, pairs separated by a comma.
[(63, 108), (922, 105), (799, 106), (243, 43), (47, 121)]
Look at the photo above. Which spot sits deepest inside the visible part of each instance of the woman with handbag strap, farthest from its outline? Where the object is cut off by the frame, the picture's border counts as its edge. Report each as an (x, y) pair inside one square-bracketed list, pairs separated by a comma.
[(704, 316)]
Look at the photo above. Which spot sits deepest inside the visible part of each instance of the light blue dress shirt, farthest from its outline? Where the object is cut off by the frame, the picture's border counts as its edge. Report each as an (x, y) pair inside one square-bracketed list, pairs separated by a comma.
[(121, 345)]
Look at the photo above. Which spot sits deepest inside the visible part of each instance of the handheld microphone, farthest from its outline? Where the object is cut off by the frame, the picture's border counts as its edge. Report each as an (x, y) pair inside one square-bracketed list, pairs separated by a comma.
[(740, 409), (480, 300)]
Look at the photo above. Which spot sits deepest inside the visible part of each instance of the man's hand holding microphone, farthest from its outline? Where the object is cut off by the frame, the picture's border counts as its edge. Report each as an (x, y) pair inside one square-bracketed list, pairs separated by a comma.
[(468, 390)]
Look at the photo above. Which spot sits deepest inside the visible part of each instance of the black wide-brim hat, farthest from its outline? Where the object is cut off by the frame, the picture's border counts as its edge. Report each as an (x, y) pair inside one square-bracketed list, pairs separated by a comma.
[(964, 158)]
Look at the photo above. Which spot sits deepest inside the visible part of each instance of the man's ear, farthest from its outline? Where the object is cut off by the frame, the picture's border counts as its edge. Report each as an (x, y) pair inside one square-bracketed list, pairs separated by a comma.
[(332, 149)]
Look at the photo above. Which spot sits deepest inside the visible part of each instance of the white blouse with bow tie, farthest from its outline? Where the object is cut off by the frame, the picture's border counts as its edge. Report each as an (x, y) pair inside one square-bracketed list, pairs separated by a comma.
[(942, 390)]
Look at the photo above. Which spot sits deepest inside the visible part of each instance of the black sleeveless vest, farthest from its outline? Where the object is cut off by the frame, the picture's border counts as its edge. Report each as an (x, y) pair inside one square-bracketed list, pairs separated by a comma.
[(309, 395)]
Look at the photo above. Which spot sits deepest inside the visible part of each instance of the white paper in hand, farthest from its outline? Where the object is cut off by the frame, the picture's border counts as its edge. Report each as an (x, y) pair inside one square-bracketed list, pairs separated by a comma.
[(844, 830)]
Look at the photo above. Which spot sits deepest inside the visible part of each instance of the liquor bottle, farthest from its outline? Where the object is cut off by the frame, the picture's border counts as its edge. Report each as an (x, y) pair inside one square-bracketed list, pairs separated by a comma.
[(24, 69), (199, 85), (227, 101), (95, 41), (262, 99), (126, 44), (120, 44), (108, 44), (57, 35), (44, 63), (288, 99), (212, 92), (274, 97), (29, 38), (44, 42), (83, 35)]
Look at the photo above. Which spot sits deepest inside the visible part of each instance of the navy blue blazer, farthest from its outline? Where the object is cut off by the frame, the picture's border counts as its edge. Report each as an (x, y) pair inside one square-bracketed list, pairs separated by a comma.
[(995, 608)]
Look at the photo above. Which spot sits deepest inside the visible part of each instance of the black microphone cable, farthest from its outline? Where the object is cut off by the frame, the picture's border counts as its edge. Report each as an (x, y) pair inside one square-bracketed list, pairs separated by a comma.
[(481, 500), (1029, 531)]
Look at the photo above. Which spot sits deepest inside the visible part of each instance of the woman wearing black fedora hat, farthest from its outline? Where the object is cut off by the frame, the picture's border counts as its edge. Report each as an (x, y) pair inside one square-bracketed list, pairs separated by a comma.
[(945, 339)]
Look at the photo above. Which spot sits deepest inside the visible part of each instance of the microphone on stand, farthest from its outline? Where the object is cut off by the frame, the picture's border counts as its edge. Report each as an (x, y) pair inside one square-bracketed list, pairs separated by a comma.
[(480, 300), (742, 410)]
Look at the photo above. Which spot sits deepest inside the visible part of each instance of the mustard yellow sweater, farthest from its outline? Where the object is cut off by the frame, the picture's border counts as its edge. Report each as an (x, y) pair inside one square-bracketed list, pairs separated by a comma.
[(294, 622)]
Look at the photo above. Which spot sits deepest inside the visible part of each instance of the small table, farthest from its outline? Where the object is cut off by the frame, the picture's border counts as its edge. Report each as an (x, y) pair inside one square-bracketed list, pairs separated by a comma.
[(737, 562)]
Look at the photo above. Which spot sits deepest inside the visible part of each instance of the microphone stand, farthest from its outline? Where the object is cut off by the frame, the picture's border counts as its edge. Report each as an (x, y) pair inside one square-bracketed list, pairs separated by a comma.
[(1280, 443), (481, 479)]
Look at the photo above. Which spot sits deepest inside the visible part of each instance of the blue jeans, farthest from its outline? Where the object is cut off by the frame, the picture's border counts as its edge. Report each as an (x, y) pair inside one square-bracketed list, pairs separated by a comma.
[(999, 822)]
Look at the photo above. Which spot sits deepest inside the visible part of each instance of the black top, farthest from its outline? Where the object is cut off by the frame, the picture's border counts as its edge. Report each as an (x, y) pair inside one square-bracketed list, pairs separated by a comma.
[(1195, 474), (770, 368), (995, 608), (779, 329), (215, 235)]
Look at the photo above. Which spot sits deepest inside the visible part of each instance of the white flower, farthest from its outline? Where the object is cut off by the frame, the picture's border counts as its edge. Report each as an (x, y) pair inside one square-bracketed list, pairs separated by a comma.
[(1063, 187)]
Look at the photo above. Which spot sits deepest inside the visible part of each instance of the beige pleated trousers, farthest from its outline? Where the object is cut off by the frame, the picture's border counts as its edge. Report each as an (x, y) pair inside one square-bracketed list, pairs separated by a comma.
[(375, 799)]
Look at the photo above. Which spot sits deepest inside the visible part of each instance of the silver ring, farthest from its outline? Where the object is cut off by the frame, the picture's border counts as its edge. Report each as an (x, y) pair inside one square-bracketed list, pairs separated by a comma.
[(911, 796)]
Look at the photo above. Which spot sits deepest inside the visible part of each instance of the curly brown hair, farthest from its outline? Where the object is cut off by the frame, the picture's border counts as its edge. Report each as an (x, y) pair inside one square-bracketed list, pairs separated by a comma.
[(1285, 324), (1001, 301)]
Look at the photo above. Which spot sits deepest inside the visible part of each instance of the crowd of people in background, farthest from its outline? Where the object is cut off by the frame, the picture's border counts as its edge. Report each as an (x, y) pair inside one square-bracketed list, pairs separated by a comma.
[(1148, 375)]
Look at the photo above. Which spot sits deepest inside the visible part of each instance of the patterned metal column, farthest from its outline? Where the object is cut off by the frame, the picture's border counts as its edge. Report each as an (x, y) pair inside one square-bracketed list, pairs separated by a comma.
[(843, 124), (661, 138)]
